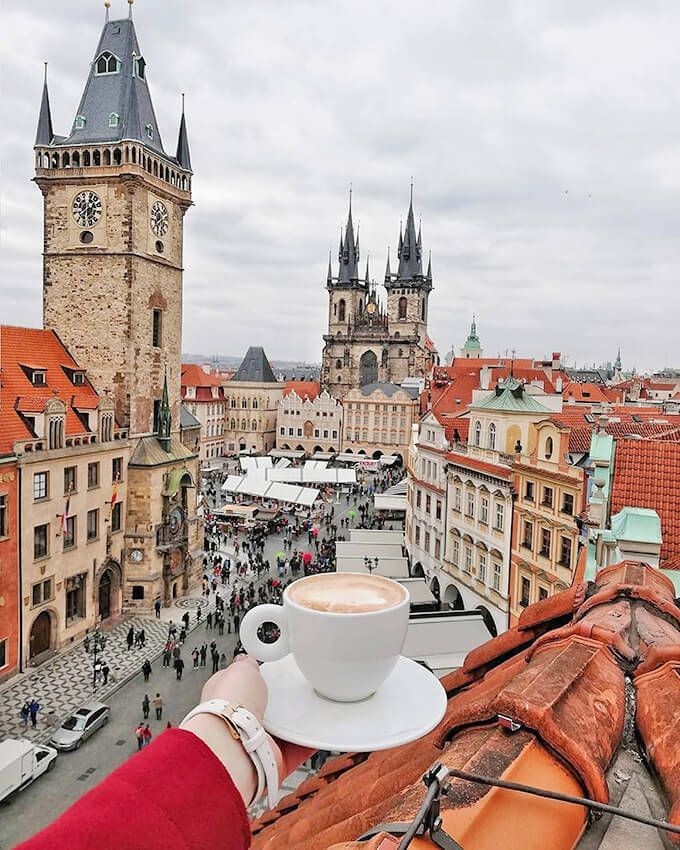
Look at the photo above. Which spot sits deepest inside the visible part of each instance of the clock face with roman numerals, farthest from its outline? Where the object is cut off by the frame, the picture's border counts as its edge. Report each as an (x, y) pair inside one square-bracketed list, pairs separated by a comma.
[(86, 208), (159, 218)]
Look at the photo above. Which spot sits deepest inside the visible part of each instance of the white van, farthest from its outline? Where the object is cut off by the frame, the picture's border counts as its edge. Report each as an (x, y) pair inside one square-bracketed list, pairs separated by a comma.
[(21, 762)]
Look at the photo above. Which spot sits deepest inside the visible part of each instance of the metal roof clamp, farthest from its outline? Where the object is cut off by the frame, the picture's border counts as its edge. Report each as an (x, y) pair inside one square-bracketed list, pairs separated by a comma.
[(509, 723)]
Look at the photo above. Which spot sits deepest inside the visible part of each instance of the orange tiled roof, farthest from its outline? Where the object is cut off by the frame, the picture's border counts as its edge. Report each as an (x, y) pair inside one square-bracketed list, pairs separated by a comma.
[(304, 389), (194, 375), (34, 348), (480, 465), (647, 475), (588, 392), (561, 674), (619, 422)]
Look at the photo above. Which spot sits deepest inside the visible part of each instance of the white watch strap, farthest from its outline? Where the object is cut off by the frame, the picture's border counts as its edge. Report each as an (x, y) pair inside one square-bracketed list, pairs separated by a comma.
[(254, 740)]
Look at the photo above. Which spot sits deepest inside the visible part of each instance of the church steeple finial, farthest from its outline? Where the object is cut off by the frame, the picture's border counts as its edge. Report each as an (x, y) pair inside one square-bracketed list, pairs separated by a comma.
[(44, 134), (165, 417), (130, 4), (107, 5)]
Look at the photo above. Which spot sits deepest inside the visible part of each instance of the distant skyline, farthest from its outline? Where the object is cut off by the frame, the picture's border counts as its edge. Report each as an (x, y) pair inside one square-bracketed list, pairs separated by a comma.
[(542, 139)]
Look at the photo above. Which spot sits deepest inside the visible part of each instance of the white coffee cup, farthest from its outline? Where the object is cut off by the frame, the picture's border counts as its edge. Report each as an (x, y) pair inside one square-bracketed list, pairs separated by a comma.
[(344, 655)]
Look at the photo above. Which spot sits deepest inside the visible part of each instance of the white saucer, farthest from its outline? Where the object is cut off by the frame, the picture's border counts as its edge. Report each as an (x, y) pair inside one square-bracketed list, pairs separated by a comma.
[(408, 705)]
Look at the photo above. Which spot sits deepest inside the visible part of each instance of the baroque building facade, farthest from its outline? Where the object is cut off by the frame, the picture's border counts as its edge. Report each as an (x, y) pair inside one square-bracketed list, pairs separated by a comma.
[(252, 399), (367, 342), (309, 421), (114, 206)]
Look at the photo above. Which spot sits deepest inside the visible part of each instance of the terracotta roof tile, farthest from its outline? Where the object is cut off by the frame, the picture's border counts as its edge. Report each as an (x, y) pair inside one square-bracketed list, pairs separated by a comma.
[(480, 465), (567, 692), (45, 351), (647, 475), (303, 389)]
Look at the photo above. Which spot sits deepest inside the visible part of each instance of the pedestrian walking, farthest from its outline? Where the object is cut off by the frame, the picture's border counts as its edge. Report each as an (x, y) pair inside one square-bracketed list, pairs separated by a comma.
[(172, 630), (215, 661), (204, 653), (185, 619), (130, 638), (139, 734), (33, 709), (147, 735), (179, 669), (105, 672), (198, 614), (146, 668), (194, 656), (157, 703), (25, 712), (209, 621), (146, 705)]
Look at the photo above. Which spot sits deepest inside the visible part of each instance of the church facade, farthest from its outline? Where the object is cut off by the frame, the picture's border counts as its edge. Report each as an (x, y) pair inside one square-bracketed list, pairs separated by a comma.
[(368, 341), (114, 205)]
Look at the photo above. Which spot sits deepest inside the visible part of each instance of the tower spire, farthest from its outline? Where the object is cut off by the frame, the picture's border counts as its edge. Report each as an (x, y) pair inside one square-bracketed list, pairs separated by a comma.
[(388, 272), (329, 276), (44, 134), (429, 267), (165, 417), (410, 247), (349, 251), (183, 154)]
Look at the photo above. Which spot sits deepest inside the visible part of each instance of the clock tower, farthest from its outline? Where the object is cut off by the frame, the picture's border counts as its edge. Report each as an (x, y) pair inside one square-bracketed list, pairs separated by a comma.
[(114, 205)]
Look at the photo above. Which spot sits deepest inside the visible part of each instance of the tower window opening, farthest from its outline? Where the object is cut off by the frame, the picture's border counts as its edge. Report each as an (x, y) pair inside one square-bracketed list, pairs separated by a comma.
[(140, 67), (149, 131), (341, 310), (80, 122), (157, 331), (402, 307), (107, 64), (114, 119)]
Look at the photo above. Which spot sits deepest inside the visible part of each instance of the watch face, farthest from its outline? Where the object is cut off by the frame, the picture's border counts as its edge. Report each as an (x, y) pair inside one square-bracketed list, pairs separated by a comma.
[(87, 208), (136, 555), (159, 218), (370, 308)]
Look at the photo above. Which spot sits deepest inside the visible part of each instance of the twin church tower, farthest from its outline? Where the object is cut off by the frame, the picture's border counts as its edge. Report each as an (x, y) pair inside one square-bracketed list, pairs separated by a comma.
[(367, 342)]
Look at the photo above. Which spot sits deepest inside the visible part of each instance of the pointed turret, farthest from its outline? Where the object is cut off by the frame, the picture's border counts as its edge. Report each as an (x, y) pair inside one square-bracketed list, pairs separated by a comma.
[(329, 276), (183, 155), (116, 103), (349, 253), (165, 418), (388, 271), (367, 279), (45, 133), (617, 363), (428, 276), (410, 249)]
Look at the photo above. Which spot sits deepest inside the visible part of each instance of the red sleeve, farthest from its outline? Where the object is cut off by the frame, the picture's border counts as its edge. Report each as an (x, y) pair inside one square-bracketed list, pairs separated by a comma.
[(173, 795)]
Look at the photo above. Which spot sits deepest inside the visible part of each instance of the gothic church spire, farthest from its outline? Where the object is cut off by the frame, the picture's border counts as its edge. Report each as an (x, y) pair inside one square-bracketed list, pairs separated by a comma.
[(45, 133), (349, 252)]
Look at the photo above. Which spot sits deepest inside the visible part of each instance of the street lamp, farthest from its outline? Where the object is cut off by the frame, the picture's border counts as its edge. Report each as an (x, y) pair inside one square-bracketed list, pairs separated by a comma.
[(94, 645), (371, 564)]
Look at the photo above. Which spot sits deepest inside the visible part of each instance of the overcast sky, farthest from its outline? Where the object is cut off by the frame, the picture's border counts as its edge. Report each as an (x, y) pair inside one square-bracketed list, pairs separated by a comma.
[(543, 139)]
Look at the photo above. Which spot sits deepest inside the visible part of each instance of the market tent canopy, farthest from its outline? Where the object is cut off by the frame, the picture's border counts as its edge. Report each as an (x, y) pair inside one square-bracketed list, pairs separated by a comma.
[(418, 590), (387, 567), (289, 453), (443, 642), (374, 535), (256, 485), (389, 503), (324, 455), (249, 463), (388, 460), (380, 550), (310, 474)]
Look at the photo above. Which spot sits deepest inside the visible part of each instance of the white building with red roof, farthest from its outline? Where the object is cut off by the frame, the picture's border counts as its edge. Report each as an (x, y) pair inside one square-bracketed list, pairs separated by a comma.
[(203, 396)]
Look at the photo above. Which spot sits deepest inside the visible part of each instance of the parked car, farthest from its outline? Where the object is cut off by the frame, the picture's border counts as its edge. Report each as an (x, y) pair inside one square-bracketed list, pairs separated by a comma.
[(80, 725), (21, 762)]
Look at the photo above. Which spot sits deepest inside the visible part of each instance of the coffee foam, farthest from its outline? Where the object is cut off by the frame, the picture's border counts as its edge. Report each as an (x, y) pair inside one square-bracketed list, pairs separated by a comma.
[(346, 593)]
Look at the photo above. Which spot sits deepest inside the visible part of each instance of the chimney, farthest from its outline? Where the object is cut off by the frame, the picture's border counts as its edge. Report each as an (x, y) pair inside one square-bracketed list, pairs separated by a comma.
[(485, 378), (559, 383)]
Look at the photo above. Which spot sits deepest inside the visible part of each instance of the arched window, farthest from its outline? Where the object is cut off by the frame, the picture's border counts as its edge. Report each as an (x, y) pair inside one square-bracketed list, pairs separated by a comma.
[(107, 64), (117, 156), (338, 364), (80, 122), (548, 448), (65, 160), (134, 156), (253, 425), (114, 119), (140, 67), (86, 159), (403, 303), (233, 424), (255, 404), (478, 433), (97, 158), (75, 159), (492, 436), (107, 157), (149, 131), (423, 309), (368, 368), (341, 310), (244, 403), (243, 424)]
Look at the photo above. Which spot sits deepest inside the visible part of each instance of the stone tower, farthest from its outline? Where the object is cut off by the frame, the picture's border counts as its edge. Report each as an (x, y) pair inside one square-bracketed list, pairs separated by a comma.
[(365, 342), (114, 204)]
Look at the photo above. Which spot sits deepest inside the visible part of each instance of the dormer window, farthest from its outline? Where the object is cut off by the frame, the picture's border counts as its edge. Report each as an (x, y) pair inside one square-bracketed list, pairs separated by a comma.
[(39, 378), (114, 119), (80, 122), (79, 379), (107, 63), (140, 67), (149, 131)]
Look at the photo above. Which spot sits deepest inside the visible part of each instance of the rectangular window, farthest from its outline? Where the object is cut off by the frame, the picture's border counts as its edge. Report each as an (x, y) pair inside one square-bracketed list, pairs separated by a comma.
[(547, 500), (546, 539), (482, 567), (524, 592), (282, 431), (41, 592), (417, 535), (542, 593), (428, 504), (497, 577), (75, 597), (157, 332), (40, 489), (568, 504), (3, 653), (117, 469), (70, 533), (468, 559), (470, 505), (92, 475), (456, 499), (484, 510), (437, 548), (565, 551), (93, 524), (418, 497), (455, 552), (70, 480), (500, 516), (41, 535), (426, 547), (116, 515), (4, 522), (529, 491), (438, 513), (528, 535)]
